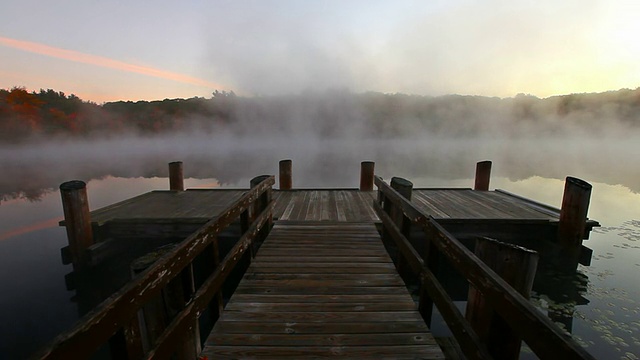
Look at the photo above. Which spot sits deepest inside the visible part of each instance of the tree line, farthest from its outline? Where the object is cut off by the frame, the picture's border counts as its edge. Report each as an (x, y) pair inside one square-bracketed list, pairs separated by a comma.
[(48, 113)]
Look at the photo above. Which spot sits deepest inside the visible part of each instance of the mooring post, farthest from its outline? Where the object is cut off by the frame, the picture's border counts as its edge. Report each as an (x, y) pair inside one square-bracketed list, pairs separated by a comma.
[(515, 265), (285, 175), (366, 175), (573, 220), (77, 220), (176, 179), (405, 188), (483, 175)]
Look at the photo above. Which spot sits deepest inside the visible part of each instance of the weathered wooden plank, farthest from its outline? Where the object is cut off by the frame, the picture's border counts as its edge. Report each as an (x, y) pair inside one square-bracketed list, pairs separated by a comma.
[(359, 352), (190, 204), (327, 252), (300, 327), (237, 305), (325, 205), (344, 261), (340, 206), (469, 204), (324, 317), (310, 257), (415, 338), (358, 269), (368, 281), (308, 298)]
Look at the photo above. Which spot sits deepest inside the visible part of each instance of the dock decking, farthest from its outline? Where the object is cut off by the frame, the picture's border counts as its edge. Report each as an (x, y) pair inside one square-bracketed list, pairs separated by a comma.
[(200, 205), (321, 283), (321, 289)]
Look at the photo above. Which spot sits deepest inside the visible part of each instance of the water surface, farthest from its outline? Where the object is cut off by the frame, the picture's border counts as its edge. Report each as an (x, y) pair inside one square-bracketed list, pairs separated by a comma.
[(35, 305)]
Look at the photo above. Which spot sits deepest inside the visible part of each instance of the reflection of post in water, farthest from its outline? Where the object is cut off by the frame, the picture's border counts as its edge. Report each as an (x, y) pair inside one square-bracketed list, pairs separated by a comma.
[(563, 290)]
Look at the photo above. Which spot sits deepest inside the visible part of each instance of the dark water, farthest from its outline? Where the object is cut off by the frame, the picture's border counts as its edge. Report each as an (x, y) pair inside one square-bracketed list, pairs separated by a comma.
[(602, 311)]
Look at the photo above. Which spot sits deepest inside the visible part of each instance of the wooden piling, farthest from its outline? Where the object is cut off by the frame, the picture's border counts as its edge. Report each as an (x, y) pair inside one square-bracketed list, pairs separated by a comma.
[(286, 181), (403, 186), (176, 179), (77, 220), (366, 175), (483, 175), (573, 219), (517, 266)]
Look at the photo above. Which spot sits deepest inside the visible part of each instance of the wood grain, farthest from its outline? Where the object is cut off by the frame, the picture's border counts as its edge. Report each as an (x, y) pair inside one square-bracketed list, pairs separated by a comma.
[(321, 289)]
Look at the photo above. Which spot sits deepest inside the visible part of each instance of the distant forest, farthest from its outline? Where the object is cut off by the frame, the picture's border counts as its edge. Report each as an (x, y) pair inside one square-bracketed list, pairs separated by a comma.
[(48, 113)]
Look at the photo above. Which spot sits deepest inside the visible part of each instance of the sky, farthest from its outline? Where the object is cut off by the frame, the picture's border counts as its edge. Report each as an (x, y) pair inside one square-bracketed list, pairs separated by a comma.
[(143, 50)]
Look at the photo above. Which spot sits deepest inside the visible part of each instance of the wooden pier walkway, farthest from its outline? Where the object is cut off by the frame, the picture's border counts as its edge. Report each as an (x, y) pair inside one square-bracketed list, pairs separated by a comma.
[(309, 272), (321, 289)]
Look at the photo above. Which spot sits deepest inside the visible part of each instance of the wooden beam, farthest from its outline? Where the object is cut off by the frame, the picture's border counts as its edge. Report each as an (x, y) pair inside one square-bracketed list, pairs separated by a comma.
[(187, 319), (367, 169), (286, 178), (392, 195), (573, 219), (176, 178), (483, 175)]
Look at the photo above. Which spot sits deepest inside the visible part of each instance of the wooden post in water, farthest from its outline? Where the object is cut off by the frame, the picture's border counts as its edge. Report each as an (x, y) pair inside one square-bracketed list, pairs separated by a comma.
[(405, 188), (483, 175), (517, 266), (285, 175), (573, 219), (77, 220), (176, 179), (366, 175)]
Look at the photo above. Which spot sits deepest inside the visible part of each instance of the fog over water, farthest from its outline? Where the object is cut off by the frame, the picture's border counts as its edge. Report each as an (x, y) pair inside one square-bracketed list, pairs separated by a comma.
[(327, 134)]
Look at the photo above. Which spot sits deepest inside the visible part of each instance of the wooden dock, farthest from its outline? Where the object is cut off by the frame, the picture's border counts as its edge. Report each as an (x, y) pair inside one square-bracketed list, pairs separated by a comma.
[(321, 289), (322, 272)]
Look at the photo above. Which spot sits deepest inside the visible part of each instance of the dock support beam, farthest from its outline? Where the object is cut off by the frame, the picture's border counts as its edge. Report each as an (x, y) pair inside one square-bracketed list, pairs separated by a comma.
[(483, 175), (573, 219), (366, 175), (77, 220), (515, 265), (285, 175), (176, 179)]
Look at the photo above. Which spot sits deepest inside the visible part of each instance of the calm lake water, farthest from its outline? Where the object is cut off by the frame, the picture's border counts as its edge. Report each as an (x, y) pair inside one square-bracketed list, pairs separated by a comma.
[(35, 306)]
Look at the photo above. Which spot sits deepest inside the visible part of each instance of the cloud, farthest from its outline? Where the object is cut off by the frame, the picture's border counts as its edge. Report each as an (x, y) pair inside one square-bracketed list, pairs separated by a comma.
[(104, 62)]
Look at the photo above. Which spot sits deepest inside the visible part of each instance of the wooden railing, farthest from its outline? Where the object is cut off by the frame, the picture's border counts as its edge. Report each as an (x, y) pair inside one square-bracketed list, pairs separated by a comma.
[(544, 337), (115, 321)]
